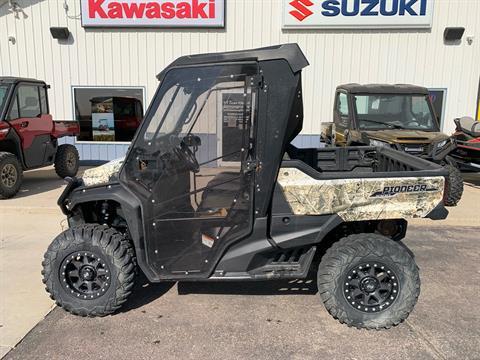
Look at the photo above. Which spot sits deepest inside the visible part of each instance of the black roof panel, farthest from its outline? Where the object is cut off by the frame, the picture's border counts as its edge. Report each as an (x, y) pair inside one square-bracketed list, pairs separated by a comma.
[(383, 89), (289, 52), (14, 80)]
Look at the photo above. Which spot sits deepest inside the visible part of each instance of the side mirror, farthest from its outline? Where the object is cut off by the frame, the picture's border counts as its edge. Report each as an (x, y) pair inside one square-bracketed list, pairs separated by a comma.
[(192, 140)]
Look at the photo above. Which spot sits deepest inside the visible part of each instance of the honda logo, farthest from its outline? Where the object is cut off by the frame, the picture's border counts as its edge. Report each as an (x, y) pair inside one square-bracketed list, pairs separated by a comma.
[(301, 11)]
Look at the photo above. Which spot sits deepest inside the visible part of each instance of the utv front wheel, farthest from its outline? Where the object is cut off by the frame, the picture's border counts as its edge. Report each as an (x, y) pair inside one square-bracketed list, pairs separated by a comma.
[(10, 175), (88, 270), (368, 281), (454, 186), (66, 161)]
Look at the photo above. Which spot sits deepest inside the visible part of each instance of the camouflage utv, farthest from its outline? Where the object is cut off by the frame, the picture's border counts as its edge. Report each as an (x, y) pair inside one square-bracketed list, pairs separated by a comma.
[(401, 117), (212, 190)]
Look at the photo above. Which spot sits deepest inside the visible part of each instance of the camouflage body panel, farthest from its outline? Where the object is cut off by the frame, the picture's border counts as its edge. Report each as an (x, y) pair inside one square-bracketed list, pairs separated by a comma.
[(102, 174), (361, 199)]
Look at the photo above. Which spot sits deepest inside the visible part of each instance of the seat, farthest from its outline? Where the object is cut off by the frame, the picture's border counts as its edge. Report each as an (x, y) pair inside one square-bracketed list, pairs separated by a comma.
[(221, 191), (468, 125)]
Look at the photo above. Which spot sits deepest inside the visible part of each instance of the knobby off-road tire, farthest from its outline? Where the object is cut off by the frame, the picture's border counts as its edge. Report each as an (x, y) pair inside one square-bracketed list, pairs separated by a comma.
[(66, 161), (351, 259), (453, 186), (11, 175), (82, 251)]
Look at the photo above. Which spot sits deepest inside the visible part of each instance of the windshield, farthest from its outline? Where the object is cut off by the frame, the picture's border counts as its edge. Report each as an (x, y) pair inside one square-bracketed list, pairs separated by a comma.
[(399, 111), (3, 95)]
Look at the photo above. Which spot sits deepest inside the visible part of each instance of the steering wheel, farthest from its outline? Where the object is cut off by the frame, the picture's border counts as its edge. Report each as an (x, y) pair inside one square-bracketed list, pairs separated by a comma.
[(188, 157)]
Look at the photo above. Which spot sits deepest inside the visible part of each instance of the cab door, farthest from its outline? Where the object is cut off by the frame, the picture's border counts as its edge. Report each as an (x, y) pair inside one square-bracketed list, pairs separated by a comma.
[(29, 117), (341, 119), (197, 199)]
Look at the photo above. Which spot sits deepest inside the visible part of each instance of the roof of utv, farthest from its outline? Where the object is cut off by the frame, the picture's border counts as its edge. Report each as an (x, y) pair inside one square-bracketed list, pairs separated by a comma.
[(289, 52), (14, 80), (383, 89)]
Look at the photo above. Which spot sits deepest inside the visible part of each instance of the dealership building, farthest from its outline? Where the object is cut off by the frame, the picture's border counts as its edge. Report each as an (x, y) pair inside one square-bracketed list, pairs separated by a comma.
[(101, 57)]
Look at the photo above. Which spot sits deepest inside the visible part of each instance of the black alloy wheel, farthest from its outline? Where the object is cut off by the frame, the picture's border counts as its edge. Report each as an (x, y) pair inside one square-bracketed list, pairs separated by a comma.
[(85, 275), (371, 287)]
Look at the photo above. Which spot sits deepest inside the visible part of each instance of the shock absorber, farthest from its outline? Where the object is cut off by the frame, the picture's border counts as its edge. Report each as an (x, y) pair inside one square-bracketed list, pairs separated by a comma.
[(105, 213)]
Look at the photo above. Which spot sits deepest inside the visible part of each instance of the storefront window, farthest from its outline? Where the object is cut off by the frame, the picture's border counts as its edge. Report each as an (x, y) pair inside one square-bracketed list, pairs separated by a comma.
[(108, 114)]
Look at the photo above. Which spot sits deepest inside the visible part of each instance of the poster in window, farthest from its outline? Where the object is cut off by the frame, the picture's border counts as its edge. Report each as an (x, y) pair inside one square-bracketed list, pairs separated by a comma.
[(103, 121)]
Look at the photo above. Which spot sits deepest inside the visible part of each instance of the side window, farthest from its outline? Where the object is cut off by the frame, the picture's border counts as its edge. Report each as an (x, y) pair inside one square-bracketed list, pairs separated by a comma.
[(29, 102), (342, 104), (43, 100), (14, 110), (342, 109)]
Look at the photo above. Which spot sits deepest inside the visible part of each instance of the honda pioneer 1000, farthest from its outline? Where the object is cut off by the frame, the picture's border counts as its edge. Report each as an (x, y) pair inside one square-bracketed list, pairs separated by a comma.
[(211, 189)]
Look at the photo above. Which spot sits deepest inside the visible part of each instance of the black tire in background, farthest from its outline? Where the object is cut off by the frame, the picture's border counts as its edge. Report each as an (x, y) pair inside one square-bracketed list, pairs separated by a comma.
[(89, 270), (66, 161), (348, 286), (453, 186), (11, 175)]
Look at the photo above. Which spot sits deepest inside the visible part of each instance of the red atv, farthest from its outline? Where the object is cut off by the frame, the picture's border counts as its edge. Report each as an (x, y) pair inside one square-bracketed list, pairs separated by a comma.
[(467, 136), (28, 135)]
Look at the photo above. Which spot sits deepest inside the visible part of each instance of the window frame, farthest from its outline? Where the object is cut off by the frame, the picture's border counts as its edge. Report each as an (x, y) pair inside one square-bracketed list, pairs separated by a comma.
[(14, 97), (348, 116), (144, 108)]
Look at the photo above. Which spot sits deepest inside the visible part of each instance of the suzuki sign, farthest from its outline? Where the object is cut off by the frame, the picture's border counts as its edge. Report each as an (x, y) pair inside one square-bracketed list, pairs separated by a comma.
[(357, 14), (159, 13)]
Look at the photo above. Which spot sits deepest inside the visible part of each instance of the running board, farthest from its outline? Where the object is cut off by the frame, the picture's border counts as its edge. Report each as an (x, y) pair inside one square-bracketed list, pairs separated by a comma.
[(287, 264)]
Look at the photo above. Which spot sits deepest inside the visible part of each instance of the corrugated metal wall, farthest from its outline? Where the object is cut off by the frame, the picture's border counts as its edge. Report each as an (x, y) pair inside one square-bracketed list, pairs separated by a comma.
[(132, 57)]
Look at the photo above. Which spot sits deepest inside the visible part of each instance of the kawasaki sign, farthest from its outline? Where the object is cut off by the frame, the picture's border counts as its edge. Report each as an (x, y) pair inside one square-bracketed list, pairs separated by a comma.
[(366, 14), (159, 13)]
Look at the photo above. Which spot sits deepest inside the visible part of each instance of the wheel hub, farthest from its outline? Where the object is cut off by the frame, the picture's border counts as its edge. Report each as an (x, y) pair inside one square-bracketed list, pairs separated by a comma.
[(85, 275), (369, 284), (9, 175), (371, 287), (70, 161)]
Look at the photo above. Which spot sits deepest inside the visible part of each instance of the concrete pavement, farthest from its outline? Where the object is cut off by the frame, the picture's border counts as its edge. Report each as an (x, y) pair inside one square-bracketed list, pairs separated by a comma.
[(28, 223), (278, 320), (231, 316)]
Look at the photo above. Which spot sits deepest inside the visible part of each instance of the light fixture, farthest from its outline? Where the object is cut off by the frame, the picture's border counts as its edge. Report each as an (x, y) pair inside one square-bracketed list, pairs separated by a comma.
[(453, 33), (60, 33)]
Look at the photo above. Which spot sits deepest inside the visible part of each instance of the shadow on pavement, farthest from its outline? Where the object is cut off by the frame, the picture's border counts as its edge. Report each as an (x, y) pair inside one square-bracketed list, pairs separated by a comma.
[(39, 181), (471, 178), (281, 287), (145, 292)]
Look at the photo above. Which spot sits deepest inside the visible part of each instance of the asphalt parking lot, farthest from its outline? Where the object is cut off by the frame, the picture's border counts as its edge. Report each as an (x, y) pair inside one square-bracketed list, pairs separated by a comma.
[(261, 320)]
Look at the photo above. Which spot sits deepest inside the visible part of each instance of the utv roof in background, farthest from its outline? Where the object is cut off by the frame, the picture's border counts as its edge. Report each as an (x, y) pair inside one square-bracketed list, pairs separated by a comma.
[(14, 80), (383, 89), (289, 52)]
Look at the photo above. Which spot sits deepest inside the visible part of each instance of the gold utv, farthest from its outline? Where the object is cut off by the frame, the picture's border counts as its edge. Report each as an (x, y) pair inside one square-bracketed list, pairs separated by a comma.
[(397, 116)]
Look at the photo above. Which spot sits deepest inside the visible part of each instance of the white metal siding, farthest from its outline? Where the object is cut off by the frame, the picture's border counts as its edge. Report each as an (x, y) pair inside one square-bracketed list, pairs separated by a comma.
[(114, 57)]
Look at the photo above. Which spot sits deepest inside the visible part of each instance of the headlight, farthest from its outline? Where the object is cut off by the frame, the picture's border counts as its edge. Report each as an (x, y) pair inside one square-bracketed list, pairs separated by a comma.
[(442, 144), (378, 143)]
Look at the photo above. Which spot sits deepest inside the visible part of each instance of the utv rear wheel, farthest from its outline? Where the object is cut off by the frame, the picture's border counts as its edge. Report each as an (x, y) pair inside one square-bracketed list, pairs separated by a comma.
[(88, 270), (368, 281), (66, 161), (10, 175), (454, 186)]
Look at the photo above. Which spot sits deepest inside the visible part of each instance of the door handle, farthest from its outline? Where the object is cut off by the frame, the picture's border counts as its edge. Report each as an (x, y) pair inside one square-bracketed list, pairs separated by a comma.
[(24, 124)]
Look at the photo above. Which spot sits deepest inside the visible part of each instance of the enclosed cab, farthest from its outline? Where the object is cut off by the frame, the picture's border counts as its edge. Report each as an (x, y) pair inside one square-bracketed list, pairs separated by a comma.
[(212, 189), (398, 116), (28, 134)]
